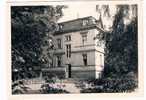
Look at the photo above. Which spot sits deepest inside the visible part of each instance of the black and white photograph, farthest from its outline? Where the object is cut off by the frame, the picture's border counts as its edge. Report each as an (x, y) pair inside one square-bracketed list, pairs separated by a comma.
[(74, 48)]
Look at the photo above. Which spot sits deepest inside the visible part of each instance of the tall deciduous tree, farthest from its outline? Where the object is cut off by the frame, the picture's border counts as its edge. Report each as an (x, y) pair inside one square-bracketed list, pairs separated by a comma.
[(32, 29), (121, 53)]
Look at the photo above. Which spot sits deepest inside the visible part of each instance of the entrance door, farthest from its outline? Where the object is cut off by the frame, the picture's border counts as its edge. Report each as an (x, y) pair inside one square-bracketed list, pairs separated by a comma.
[(69, 70)]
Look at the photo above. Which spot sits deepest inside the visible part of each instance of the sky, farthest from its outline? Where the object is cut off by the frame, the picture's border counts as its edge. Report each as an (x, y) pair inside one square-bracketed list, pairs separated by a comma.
[(78, 10)]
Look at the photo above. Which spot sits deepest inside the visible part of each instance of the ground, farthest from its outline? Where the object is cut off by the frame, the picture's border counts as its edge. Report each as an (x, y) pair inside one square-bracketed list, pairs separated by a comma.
[(75, 86), (70, 85)]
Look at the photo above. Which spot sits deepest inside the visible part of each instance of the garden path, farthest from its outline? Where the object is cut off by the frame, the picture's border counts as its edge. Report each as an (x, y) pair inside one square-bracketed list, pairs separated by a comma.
[(70, 85)]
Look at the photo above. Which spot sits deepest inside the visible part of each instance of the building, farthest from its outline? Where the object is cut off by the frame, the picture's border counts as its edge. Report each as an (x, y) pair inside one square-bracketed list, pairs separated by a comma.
[(78, 54)]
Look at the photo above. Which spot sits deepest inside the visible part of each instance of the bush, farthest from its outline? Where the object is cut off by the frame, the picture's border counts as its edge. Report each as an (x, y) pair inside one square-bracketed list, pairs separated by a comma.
[(127, 83), (51, 86), (18, 87)]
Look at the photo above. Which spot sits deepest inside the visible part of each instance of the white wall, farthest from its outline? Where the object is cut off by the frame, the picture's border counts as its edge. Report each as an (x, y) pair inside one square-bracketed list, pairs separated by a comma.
[(77, 59), (77, 48)]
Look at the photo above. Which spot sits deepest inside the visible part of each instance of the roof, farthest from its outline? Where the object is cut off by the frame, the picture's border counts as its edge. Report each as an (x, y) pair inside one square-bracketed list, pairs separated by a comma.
[(85, 23)]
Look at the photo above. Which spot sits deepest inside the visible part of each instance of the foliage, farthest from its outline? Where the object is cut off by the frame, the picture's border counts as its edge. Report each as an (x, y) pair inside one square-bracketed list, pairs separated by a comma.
[(18, 87), (127, 83), (121, 52), (121, 48), (49, 88), (53, 86), (32, 29)]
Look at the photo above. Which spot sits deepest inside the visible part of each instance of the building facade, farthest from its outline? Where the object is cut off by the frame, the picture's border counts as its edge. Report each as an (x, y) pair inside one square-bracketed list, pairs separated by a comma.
[(78, 53)]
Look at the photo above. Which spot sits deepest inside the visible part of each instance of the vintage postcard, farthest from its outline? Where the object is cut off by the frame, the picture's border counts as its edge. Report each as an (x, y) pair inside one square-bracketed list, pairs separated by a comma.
[(73, 48)]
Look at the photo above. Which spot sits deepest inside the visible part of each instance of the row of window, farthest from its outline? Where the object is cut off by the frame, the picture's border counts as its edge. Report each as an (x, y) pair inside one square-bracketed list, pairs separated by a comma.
[(85, 60), (59, 42), (84, 39), (59, 58), (86, 21), (68, 38)]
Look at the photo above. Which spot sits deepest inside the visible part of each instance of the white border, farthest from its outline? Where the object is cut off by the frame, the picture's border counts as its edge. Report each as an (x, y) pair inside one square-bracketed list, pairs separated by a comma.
[(75, 96)]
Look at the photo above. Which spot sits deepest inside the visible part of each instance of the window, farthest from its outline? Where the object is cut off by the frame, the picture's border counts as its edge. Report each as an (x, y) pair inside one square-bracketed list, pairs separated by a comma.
[(59, 43), (58, 61), (85, 22), (68, 38), (68, 50), (99, 43), (84, 38), (60, 27), (51, 63), (85, 59), (93, 20), (100, 75), (101, 64)]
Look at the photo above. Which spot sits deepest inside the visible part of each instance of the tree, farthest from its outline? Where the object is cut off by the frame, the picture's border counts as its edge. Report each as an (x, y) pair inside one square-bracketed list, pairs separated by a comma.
[(121, 50), (121, 53), (32, 30)]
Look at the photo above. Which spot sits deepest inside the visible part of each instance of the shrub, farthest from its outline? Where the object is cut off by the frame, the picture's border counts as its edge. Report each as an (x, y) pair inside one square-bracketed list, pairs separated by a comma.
[(51, 86), (127, 83), (18, 87)]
